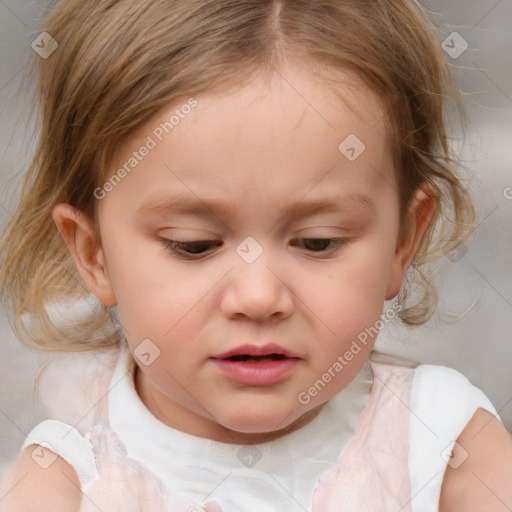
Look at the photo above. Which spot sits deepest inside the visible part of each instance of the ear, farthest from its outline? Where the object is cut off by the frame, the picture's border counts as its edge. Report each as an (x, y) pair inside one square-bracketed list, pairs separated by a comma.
[(79, 235), (418, 218)]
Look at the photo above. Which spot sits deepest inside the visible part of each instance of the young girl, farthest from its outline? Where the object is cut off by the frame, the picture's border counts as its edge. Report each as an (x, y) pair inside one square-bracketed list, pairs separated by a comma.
[(243, 185)]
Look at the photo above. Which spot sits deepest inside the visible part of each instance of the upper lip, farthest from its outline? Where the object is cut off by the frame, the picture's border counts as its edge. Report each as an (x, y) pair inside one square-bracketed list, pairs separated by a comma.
[(256, 350)]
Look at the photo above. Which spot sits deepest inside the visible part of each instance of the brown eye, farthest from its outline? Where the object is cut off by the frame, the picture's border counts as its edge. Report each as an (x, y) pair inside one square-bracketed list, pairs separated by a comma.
[(317, 244), (196, 247), (322, 245)]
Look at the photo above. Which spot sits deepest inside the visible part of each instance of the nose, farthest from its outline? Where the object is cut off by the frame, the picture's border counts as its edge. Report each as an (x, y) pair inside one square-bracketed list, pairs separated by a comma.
[(258, 291)]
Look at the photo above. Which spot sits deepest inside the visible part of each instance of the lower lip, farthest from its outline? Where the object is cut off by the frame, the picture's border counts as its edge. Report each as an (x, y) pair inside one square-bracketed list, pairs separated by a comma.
[(262, 373)]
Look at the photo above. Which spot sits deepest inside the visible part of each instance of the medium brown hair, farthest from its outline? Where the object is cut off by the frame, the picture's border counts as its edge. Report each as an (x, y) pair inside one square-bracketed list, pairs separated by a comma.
[(121, 61)]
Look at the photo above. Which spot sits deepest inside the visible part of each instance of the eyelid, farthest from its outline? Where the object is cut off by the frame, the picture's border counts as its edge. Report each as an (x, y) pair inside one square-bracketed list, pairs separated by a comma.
[(171, 244), (189, 233), (339, 243)]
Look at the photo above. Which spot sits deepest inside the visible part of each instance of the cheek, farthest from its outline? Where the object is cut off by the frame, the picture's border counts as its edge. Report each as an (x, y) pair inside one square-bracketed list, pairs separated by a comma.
[(158, 312), (151, 292), (352, 290)]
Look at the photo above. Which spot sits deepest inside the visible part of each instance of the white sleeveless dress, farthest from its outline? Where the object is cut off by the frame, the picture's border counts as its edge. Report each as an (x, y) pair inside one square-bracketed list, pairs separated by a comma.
[(382, 444)]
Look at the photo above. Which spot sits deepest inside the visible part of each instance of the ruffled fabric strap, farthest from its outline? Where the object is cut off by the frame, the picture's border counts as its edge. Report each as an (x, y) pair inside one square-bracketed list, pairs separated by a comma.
[(125, 485), (372, 473), (67, 442)]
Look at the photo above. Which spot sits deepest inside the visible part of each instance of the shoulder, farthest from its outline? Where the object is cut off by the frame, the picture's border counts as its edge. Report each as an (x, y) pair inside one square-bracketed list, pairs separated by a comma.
[(457, 420), (64, 441), (441, 394), (446, 395), (444, 407), (431, 385), (41, 481), (482, 478)]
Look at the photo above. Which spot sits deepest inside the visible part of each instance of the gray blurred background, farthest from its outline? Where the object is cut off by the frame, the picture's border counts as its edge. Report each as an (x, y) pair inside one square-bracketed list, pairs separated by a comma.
[(479, 346)]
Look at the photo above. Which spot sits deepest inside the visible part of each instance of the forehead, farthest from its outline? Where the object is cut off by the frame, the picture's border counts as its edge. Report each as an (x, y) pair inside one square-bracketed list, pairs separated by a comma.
[(282, 134), (300, 99)]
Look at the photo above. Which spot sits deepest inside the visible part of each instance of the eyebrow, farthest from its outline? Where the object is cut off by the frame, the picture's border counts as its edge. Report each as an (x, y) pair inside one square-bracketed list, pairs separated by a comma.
[(164, 206)]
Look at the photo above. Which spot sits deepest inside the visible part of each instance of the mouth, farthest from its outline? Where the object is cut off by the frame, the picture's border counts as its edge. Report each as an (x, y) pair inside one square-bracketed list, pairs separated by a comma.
[(256, 359), (250, 352), (253, 365)]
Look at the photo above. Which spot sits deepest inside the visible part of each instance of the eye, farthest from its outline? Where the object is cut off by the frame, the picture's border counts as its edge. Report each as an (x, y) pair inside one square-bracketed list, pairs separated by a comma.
[(323, 245), (189, 249)]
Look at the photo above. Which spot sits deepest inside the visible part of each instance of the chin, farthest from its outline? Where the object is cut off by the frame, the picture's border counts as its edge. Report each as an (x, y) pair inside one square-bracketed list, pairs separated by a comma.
[(257, 422), (270, 424)]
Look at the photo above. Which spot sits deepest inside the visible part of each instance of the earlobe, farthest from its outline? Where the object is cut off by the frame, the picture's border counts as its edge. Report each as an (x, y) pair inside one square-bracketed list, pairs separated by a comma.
[(79, 235), (420, 214)]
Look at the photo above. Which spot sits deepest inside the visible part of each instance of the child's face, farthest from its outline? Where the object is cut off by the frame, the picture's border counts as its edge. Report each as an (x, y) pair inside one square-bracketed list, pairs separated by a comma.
[(264, 152)]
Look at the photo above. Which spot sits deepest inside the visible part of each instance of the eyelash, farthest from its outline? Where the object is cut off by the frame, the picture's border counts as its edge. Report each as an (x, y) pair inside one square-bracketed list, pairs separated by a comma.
[(175, 246)]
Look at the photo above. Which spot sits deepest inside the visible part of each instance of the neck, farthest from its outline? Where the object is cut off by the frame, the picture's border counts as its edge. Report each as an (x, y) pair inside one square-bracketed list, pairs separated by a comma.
[(190, 422)]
